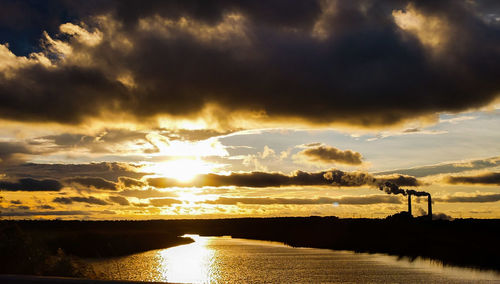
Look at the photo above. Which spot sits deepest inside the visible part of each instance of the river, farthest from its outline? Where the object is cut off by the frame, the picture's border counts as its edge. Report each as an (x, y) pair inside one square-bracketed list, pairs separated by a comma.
[(223, 260)]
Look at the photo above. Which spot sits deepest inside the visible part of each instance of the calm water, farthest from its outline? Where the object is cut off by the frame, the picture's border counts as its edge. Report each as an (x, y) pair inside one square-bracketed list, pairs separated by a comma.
[(223, 259)]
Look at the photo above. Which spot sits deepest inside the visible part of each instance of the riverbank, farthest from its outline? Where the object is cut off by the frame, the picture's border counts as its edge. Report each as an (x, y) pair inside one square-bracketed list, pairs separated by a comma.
[(463, 242), (29, 279), (235, 260), (55, 248), (27, 246)]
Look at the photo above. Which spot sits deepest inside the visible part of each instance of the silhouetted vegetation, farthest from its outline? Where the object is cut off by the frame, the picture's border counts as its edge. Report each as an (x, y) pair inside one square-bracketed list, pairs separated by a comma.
[(107, 244), (23, 252), (53, 247), (464, 242)]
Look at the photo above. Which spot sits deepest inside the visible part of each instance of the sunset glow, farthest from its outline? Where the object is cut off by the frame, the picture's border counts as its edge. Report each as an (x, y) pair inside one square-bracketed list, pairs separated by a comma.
[(183, 170), (157, 140), (231, 110)]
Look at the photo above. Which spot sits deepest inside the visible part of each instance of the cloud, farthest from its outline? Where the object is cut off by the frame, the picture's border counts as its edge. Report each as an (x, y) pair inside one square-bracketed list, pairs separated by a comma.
[(196, 134), (252, 179), (89, 200), (347, 200), (12, 151), (118, 140), (368, 64), (44, 213), (408, 131), (456, 120), (119, 200), (486, 179), (450, 167), (131, 182), (19, 207), (477, 198), (104, 141), (93, 182), (146, 193), (297, 178), (29, 184), (68, 139), (46, 207), (162, 202), (325, 154), (52, 177), (109, 171), (400, 180)]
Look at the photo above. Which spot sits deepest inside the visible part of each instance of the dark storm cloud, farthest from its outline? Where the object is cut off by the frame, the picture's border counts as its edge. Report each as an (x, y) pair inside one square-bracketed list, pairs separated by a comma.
[(29, 184), (93, 182), (486, 179), (298, 178), (277, 13), (22, 22), (321, 61), (327, 154), (10, 151), (478, 198), (109, 171), (348, 200), (89, 88), (89, 200), (444, 168)]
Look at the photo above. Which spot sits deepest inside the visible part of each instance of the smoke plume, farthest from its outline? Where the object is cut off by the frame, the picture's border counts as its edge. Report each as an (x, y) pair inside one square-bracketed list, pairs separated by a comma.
[(391, 188)]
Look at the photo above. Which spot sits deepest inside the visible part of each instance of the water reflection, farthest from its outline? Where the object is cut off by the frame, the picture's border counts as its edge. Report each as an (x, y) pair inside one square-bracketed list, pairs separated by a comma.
[(227, 260), (193, 263)]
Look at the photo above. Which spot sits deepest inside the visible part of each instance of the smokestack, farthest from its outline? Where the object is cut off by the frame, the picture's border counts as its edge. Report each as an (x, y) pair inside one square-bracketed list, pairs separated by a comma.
[(391, 188), (429, 206), (409, 204)]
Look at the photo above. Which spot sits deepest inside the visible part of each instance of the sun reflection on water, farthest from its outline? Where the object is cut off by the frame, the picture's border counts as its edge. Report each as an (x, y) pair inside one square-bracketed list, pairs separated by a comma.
[(227, 260), (193, 263)]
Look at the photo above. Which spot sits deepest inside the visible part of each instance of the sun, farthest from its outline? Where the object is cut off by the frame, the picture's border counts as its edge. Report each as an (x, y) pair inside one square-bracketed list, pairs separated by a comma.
[(183, 170)]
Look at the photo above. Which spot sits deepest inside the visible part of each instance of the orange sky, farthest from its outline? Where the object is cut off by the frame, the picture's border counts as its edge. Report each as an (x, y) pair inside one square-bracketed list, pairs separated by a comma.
[(234, 109)]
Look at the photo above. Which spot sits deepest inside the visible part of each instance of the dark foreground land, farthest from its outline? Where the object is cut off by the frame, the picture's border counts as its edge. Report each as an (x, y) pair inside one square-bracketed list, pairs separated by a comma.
[(54, 247)]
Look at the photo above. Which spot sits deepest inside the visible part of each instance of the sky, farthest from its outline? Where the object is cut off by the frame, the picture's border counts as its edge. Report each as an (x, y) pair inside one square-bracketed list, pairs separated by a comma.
[(217, 109)]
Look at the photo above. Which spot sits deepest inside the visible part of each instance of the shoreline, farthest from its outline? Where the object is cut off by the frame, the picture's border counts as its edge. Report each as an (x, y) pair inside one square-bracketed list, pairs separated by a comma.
[(471, 243)]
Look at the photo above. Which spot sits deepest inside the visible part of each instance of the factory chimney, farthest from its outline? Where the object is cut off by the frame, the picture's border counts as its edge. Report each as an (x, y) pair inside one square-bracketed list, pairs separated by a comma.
[(429, 206), (409, 204)]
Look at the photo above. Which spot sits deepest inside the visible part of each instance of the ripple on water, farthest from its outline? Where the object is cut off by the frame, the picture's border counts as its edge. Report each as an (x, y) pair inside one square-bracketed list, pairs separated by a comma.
[(223, 259)]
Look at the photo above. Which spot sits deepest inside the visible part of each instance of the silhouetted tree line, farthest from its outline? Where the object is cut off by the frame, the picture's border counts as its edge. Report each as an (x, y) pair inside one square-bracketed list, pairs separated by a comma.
[(465, 242)]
